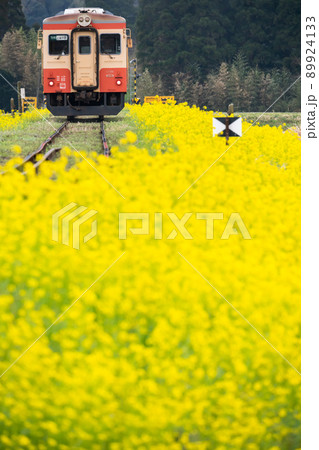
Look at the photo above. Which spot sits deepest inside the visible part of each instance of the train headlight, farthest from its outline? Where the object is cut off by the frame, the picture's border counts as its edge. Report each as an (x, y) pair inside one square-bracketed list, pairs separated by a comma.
[(51, 83), (84, 21), (118, 82)]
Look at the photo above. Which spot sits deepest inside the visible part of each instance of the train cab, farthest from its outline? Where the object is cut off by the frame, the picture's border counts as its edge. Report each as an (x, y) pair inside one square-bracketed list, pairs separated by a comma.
[(85, 62)]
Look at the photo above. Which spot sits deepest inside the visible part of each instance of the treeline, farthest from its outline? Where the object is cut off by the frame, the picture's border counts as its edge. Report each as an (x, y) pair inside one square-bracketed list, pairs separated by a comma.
[(249, 89), (11, 14), (180, 36), (19, 60)]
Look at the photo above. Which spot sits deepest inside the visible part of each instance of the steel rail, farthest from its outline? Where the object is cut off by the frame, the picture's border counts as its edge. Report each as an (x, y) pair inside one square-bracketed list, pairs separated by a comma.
[(46, 157), (32, 156), (106, 150)]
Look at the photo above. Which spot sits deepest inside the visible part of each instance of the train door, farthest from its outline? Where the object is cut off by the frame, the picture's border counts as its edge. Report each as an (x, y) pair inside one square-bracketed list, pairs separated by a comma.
[(85, 59)]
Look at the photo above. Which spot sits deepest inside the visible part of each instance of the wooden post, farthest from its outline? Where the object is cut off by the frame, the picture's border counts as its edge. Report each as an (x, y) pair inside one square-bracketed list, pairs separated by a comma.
[(227, 130), (12, 108), (19, 97), (230, 109)]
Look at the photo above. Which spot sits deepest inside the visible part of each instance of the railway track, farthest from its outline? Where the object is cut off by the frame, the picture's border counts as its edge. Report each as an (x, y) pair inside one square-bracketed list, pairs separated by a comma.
[(52, 152), (47, 156)]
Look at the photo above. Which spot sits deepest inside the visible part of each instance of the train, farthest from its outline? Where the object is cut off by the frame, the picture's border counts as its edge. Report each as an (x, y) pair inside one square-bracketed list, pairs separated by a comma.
[(85, 62)]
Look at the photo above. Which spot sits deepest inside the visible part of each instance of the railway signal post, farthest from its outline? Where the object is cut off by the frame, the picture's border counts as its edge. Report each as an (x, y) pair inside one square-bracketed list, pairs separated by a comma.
[(134, 61)]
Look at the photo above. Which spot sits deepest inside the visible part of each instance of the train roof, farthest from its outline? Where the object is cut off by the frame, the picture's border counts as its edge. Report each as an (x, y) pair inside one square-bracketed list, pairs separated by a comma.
[(88, 10), (98, 15)]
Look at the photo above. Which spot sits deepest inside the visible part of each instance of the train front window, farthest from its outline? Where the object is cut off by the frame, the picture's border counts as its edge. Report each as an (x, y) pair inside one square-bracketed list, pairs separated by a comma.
[(110, 44), (58, 44), (84, 45)]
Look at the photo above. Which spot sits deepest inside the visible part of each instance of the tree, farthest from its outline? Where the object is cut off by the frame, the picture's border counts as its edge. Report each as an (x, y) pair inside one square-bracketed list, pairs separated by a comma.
[(186, 89), (145, 85), (19, 58), (148, 85), (32, 39), (253, 29), (13, 52), (286, 43), (4, 22), (216, 88), (252, 86), (6, 91), (30, 79), (174, 36), (266, 92)]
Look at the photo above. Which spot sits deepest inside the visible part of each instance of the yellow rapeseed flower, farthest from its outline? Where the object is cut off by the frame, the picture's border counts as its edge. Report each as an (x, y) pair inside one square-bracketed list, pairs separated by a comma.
[(151, 356)]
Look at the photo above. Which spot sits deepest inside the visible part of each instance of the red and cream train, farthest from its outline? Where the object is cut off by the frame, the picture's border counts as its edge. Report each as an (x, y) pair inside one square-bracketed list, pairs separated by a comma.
[(85, 62)]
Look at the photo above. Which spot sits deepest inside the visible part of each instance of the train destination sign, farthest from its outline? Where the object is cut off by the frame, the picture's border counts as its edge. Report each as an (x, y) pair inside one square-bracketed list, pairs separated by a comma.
[(227, 126)]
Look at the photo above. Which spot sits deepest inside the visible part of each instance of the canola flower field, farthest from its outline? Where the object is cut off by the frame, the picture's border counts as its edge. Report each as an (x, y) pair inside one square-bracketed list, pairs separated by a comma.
[(7, 121), (175, 344)]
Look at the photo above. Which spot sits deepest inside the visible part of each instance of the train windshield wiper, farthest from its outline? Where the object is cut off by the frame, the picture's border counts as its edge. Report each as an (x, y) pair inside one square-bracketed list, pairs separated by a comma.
[(109, 54)]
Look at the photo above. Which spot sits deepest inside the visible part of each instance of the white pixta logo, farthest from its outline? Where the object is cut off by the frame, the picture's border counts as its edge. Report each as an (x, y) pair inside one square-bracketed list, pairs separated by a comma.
[(67, 222), (235, 225)]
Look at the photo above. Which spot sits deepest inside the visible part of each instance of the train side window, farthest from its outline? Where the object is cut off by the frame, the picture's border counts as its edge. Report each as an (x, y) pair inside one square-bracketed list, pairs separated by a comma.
[(110, 44), (84, 45), (58, 44)]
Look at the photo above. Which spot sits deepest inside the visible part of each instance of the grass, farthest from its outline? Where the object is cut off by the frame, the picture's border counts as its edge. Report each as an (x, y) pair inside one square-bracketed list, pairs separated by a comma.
[(86, 135), (28, 138), (274, 119)]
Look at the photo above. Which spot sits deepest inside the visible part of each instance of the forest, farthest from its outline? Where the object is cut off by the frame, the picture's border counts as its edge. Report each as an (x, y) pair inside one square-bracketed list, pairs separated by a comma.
[(203, 52)]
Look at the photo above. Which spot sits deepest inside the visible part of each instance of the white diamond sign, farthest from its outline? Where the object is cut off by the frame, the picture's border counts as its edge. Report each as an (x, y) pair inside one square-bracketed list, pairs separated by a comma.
[(220, 125)]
